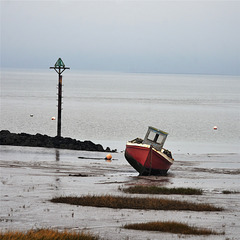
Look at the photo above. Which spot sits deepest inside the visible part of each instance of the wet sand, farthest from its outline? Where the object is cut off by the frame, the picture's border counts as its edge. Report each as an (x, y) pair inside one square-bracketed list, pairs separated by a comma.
[(30, 177)]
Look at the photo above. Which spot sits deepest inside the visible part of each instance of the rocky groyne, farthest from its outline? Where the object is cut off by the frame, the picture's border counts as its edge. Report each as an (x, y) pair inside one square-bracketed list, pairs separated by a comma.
[(39, 140)]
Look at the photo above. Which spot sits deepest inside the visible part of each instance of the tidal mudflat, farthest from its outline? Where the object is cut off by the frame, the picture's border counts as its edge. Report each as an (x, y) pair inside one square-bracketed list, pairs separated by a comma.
[(31, 177)]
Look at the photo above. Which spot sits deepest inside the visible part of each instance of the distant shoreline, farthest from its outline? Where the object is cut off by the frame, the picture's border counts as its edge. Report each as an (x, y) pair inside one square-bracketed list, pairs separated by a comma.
[(39, 140)]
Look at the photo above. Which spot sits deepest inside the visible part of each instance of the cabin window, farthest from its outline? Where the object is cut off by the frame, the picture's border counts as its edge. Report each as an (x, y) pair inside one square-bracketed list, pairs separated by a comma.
[(160, 139), (151, 136), (155, 137)]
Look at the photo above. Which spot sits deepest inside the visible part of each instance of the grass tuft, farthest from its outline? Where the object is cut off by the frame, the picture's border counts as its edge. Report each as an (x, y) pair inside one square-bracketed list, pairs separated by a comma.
[(229, 192), (171, 227), (47, 234), (135, 203), (162, 190)]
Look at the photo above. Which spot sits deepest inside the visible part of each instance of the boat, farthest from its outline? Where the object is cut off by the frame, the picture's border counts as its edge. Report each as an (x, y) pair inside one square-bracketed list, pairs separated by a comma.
[(147, 155)]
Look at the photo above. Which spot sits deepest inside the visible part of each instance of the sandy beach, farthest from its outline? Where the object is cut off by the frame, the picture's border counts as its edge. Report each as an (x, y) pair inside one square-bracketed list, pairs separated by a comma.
[(30, 177)]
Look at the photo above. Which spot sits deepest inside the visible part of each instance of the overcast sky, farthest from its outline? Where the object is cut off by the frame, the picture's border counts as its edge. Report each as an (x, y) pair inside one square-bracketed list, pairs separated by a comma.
[(119, 35)]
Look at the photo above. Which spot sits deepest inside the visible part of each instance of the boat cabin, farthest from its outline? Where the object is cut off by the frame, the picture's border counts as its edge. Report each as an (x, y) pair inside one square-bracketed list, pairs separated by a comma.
[(155, 137)]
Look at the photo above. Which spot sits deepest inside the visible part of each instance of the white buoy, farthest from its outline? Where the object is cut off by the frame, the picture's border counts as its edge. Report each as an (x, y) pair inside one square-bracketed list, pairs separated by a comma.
[(53, 118), (215, 128)]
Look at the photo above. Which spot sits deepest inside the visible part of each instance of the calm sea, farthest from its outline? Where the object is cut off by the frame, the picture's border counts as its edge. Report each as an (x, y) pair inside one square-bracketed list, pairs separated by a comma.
[(111, 108)]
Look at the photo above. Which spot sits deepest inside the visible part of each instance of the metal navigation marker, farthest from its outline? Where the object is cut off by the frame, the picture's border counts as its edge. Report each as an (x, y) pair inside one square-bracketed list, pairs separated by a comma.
[(59, 63), (59, 67)]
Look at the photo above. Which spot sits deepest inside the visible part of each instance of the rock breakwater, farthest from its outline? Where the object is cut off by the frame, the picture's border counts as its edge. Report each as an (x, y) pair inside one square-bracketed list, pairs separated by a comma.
[(39, 140)]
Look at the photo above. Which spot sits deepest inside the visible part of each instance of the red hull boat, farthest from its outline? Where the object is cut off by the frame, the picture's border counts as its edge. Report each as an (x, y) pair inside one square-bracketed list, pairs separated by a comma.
[(147, 155)]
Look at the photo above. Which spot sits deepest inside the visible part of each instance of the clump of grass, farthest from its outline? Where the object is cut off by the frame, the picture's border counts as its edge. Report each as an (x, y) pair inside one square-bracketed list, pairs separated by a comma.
[(229, 192), (162, 190), (171, 227), (135, 203), (46, 234)]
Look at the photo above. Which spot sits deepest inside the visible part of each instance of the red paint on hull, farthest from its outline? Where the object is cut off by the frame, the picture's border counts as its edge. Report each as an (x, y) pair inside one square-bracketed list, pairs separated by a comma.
[(144, 158)]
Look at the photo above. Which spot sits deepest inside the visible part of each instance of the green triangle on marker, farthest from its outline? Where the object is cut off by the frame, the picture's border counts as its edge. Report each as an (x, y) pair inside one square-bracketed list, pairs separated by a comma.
[(60, 63)]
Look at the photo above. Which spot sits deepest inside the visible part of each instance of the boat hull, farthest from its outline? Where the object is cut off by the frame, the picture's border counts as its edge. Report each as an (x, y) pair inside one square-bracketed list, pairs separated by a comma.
[(146, 160)]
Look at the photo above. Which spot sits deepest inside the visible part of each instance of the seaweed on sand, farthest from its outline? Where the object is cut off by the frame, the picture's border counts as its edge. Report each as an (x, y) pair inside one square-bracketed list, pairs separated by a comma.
[(46, 234), (171, 227), (122, 202), (162, 190)]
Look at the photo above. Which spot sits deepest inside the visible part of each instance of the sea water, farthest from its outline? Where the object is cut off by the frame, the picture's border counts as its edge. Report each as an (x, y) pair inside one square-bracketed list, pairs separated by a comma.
[(112, 108)]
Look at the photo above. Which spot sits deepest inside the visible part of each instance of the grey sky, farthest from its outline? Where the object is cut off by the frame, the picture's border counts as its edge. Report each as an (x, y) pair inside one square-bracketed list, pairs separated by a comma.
[(117, 35)]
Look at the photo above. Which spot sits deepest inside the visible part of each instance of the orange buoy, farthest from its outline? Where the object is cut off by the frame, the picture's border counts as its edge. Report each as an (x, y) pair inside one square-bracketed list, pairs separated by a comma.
[(53, 118), (108, 157)]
